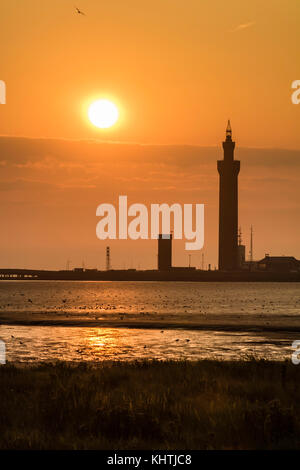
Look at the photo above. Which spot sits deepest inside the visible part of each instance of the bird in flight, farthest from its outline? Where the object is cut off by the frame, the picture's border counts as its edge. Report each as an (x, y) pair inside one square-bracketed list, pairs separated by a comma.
[(79, 11)]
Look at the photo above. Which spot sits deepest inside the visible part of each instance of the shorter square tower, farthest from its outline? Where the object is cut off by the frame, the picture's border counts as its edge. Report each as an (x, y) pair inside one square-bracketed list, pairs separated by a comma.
[(164, 252)]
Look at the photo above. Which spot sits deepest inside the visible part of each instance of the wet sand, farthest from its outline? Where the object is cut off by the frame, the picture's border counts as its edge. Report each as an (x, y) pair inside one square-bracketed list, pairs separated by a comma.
[(32, 344), (245, 322)]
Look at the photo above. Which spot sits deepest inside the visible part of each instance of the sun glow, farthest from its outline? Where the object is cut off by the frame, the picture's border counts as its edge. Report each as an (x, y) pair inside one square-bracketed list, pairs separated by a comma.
[(103, 113)]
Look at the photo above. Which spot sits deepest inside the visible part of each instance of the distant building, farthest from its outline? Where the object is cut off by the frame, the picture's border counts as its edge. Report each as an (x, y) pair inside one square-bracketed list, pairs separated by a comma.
[(228, 169), (241, 250), (241, 255), (250, 266), (279, 264), (183, 268), (164, 252)]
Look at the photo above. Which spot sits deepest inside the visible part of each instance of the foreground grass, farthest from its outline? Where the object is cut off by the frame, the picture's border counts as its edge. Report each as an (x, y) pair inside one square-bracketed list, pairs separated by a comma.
[(151, 405)]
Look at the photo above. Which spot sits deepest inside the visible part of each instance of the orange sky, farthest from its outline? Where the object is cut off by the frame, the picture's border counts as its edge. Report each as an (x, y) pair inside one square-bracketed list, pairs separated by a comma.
[(177, 70)]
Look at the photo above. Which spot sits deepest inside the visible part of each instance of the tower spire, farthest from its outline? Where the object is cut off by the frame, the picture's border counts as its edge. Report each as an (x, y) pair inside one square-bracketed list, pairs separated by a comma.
[(228, 131)]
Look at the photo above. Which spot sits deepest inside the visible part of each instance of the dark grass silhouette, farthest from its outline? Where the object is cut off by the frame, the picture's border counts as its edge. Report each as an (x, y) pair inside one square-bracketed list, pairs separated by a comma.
[(151, 405)]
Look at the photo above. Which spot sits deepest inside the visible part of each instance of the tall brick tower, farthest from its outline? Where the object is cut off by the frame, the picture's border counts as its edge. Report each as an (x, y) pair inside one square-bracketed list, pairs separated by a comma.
[(228, 169)]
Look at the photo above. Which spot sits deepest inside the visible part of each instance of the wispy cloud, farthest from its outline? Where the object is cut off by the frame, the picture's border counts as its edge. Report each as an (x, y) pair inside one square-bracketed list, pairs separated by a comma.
[(243, 26)]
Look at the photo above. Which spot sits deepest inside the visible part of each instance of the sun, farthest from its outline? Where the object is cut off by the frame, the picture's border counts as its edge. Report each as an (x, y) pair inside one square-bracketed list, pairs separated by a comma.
[(103, 114)]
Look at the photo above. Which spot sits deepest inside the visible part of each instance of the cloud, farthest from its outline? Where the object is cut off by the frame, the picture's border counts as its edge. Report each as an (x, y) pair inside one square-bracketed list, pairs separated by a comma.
[(64, 171), (132, 166), (243, 26)]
